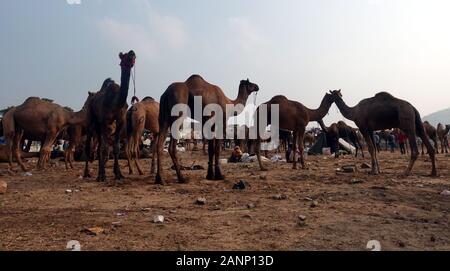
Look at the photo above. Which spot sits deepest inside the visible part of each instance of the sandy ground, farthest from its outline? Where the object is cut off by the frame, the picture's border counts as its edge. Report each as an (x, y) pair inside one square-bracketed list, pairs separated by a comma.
[(37, 213)]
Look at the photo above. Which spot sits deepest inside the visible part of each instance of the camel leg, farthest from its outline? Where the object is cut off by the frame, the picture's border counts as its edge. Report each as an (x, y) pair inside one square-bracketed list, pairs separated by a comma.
[(211, 148), (135, 155), (431, 152), (87, 154), (128, 153), (258, 155), (301, 148), (414, 152), (116, 152), (160, 139), (371, 146), (9, 149), (102, 149), (218, 172), (436, 145), (294, 149), (204, 146), (360, 148), (153, 148), (423, 153), (46, 150), (17, 152), (175, 160)]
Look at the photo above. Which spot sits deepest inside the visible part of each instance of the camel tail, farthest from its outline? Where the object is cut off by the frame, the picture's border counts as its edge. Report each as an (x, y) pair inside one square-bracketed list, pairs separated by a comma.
[(164, 111), (130, 121), (420, 131)]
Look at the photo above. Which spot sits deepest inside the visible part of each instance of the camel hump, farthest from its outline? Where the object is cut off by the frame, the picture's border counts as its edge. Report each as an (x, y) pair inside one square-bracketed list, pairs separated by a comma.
[(384, 95), (30, 99), (107, 83), (195, 77), (278, 98), (148, 98)]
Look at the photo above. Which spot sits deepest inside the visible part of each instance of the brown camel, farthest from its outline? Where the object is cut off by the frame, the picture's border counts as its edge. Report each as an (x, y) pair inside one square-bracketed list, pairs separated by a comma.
[(184, 93), (40, 120), (384, 111), (140, 116), (442, 132), (349, 134), (294, 117), (332, 136), (107, 108), (432, 134)]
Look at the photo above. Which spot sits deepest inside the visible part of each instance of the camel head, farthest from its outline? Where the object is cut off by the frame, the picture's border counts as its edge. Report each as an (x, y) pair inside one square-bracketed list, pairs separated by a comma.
[(248, 86), (335, 95), (127, 59)]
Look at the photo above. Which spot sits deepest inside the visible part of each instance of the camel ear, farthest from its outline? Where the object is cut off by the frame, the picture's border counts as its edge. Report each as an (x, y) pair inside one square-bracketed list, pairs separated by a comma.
[(248, 81)]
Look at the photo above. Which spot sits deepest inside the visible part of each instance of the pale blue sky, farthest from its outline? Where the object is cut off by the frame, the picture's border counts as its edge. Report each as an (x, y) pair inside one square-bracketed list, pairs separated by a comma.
[(299, 48)]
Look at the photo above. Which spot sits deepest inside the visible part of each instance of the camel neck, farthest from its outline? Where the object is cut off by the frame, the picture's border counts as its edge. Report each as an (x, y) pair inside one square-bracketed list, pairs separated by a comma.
[(242, 96), (77, 118), (124, 85), (346, 111), (322, 125), (319, 113)]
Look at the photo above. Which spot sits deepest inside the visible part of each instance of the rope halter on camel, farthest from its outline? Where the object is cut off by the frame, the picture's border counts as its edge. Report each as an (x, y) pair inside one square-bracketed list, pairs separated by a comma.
[(134, 99)]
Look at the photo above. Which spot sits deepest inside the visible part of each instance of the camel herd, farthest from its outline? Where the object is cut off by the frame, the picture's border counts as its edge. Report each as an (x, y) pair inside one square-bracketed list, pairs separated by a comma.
[(106, 119)]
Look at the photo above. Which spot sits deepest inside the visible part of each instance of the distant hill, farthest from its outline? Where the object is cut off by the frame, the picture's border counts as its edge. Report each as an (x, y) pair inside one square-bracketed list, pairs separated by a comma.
[(442, 116)]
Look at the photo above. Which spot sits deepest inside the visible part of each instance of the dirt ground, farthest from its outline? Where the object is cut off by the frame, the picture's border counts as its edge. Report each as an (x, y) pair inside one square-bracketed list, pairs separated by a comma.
[(37, 213)]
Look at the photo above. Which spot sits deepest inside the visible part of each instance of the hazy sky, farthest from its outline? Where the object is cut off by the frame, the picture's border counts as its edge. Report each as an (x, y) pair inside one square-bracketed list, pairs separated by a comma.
[(291, 47)]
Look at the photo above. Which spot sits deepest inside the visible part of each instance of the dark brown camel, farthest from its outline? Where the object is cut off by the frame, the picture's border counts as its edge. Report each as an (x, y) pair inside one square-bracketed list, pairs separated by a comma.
[(349, 134), (184, 93), (384, 111), (332, 136), (294, 117), (442, 132), (40, 120), (432, 134), (108, 108), (142, 115)]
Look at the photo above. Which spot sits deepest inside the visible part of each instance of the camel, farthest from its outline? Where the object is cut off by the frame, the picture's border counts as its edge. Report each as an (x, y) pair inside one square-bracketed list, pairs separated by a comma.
[(384, 111), (294, 117), (184, 93), (142, 115), (108, 108), (349, 134), (40, 120), (432, 134), (442, 132), (332, 136)]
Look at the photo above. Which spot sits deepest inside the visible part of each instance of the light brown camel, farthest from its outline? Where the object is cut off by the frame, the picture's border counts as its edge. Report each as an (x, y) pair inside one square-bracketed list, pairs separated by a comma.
[(384, 111), (42, 121), (140, 116), (442, 132), (432, 134), (294, 117), (107, 108), (184, 93)]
